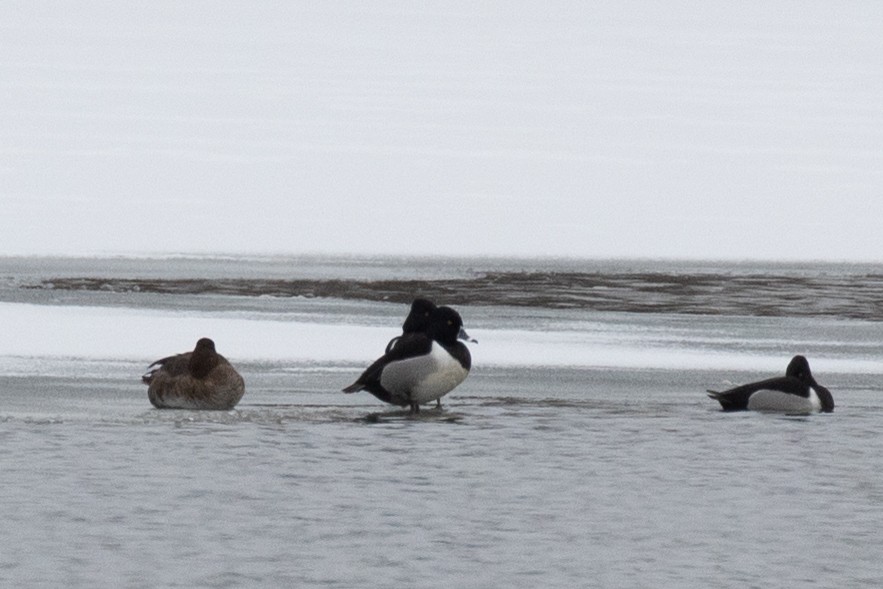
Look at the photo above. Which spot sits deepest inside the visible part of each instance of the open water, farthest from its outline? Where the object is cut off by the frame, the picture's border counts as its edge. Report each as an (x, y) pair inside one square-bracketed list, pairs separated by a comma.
[(580, 452)]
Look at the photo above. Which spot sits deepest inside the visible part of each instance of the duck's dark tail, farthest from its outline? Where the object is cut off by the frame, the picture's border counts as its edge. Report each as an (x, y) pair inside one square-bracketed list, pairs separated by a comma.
[(730, 401)]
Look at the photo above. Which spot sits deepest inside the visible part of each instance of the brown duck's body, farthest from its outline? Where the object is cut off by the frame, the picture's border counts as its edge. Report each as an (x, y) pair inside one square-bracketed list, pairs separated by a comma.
[(201, 379)]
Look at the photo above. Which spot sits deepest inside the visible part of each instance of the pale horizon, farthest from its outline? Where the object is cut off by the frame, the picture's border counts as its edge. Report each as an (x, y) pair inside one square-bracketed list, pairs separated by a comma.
[(689, 131)]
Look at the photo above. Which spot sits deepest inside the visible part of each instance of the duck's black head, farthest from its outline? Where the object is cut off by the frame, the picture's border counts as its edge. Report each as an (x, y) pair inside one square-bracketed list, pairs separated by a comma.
[(446, 326), (419, 316), (799, 368), (203, 359)]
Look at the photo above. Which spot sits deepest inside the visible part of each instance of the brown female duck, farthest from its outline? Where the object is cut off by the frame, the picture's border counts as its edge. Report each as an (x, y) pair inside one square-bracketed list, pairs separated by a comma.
[(201, 379)]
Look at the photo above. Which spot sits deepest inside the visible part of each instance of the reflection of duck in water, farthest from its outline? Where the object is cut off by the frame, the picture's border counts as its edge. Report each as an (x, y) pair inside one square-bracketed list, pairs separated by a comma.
[(201, 379), (420, 367), (796, 392)]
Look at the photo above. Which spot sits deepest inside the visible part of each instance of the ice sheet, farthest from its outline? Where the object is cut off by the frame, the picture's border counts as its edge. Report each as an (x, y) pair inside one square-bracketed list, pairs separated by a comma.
[(62, 334)]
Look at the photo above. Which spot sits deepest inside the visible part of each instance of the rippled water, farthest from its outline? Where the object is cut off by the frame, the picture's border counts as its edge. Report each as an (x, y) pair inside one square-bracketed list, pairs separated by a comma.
[(615, 472)]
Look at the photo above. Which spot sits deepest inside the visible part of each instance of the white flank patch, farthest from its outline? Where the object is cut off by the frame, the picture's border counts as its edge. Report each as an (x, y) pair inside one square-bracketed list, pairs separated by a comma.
[(777, 401), (424, 379)]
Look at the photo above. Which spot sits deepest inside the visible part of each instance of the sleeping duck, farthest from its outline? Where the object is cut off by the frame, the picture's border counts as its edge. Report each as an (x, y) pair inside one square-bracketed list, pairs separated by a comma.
[(796, 392), (201, 379)]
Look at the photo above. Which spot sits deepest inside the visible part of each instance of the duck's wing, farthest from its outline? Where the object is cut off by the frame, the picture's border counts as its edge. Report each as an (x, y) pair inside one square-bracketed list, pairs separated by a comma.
[(408, 345), (392, 343), (174, 365)]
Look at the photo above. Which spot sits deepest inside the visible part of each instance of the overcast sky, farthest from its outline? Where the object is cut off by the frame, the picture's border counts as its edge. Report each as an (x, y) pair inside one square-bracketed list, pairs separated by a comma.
[(596, 129)]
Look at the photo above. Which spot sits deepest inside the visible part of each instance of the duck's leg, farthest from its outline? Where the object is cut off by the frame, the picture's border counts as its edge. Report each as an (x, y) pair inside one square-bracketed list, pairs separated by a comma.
[(415, 408), (438, 403)]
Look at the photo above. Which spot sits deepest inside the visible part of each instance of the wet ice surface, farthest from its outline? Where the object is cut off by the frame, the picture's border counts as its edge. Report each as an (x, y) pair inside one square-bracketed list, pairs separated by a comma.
[(551, 476), (580, 451)]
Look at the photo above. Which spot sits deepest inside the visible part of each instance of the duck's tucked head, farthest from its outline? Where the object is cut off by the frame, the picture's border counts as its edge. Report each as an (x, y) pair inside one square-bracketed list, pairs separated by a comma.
[(203, 359), (799, 369), (446, 326), (419, 316)]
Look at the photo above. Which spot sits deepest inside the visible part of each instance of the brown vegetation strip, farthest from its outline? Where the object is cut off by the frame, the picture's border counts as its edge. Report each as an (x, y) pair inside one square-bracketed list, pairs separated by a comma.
[(854, 296)]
